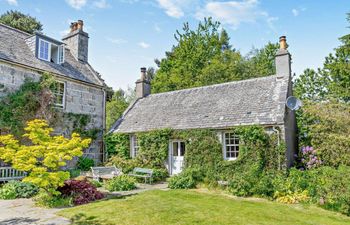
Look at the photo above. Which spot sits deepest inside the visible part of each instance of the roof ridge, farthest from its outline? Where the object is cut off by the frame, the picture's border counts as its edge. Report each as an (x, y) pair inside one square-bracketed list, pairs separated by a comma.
[(215, 85), (15, 29)]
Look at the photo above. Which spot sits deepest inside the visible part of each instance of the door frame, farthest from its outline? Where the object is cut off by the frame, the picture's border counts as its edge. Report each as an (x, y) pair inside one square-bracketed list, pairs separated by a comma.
[(170, 154)]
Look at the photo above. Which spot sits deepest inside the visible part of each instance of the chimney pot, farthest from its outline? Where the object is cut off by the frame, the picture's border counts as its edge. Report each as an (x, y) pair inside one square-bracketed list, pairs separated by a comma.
[(80, 24), (283, 42), (77, 41), (283, 59), (143, 73), (143, 86)]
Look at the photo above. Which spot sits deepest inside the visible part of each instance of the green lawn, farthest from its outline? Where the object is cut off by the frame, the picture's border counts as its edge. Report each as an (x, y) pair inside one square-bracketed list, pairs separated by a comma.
[(192, 207)]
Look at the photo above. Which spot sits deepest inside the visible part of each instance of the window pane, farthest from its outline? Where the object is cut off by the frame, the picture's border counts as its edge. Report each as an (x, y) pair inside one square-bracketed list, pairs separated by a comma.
[(175, 148), (135, 145), (182, 148)]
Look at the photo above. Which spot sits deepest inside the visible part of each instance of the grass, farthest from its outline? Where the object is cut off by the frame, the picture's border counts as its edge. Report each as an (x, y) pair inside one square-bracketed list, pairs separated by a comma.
[(193, 207)]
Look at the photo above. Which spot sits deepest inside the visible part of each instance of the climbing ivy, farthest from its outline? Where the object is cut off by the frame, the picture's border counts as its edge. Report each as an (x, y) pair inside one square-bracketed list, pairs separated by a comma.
[(259, 152), (33, 100), (18, 107), (117, 144)]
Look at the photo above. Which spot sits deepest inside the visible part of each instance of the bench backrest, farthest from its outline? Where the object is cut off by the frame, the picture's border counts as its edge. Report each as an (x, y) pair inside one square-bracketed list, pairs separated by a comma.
[(9, 173), (143, 170), (105, 170)]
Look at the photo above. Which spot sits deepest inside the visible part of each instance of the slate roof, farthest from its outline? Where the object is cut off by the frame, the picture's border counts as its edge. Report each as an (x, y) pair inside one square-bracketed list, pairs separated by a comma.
[(254, 101), (13, 48)]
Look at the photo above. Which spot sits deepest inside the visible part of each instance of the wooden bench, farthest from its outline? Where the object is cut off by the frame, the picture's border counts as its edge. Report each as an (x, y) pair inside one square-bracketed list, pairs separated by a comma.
[(105, 173), (9, 173), (142, 172)]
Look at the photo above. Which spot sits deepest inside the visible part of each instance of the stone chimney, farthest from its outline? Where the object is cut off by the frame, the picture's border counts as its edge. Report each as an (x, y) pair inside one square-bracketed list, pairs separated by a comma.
[(283, 59), (78, 41), (143, 86)]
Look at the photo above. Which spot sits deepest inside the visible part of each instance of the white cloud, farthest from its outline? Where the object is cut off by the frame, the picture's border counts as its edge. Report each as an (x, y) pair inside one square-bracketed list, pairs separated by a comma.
[(12, 2), (144, 44), (157, 28), (76, 4), (172, 8), (233, 13), (295, 12), (117, 41), (64, 32), (102, 4)]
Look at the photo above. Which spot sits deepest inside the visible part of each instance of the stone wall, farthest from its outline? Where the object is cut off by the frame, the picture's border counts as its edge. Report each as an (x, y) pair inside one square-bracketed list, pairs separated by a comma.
[(79, 99)]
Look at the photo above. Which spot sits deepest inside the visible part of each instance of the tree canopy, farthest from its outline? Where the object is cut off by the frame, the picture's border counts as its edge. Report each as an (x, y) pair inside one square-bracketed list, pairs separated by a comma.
[(323, 122), (331, 82), (204, 56), (117, 105), (21, 21)]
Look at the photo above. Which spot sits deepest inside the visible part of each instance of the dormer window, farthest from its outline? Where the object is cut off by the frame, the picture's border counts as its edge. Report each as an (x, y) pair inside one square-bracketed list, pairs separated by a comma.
[(50, 52)]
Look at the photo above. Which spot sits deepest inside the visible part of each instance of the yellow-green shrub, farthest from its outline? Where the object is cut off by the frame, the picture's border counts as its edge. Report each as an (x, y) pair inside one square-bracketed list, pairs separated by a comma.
[(43, 156)]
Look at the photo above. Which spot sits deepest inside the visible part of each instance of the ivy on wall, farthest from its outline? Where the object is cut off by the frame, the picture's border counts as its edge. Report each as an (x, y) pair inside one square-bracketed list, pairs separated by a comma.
[(258, 151), (118, 144), (33, 100)]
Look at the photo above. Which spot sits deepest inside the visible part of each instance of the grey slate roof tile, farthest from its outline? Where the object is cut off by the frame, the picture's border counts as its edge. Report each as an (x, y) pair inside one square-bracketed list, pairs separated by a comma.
[(13, 47), (254, 101)]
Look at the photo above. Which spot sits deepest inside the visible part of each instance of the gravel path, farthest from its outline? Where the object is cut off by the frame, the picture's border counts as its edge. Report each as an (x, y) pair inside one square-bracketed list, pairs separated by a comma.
[(24, 212)]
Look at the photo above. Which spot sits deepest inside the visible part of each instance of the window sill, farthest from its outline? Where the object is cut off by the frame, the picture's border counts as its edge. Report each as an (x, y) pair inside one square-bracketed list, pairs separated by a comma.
[(230, 159)]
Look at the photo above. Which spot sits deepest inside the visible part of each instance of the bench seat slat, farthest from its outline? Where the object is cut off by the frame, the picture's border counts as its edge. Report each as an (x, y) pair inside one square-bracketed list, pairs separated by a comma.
[(9, 173)]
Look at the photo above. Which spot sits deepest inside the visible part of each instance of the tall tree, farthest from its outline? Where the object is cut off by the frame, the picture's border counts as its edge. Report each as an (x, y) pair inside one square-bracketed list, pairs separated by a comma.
[(115, 107), (204, 56), (337, 66), (21, 21), (261, 62), (183, 65), (312, 85), (332, 82)]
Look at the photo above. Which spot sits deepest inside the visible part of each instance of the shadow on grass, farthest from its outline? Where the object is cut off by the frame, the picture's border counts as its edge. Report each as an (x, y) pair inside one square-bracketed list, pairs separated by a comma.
[(83, 219), (19, 220), (112, 195)]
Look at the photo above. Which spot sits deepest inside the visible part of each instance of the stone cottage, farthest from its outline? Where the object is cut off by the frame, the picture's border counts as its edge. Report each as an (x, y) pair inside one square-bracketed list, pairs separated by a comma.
[(80, 89), (219, 107)]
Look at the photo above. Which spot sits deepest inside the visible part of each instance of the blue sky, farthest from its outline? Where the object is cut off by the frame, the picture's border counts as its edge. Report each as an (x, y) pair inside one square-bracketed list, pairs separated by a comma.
[(128, 34)]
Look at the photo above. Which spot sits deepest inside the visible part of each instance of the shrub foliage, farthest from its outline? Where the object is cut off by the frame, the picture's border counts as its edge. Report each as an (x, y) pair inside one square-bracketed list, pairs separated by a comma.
[(85, 163), (121, 183), (81, 191), (17, 189), (43, 156)]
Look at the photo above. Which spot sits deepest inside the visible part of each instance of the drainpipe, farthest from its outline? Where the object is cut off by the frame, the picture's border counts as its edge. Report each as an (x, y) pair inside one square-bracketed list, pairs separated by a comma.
[(278, 145), (104, 156)]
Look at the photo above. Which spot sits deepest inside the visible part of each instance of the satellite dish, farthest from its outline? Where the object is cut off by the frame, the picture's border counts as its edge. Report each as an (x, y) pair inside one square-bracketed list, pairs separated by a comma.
[(293, 103)]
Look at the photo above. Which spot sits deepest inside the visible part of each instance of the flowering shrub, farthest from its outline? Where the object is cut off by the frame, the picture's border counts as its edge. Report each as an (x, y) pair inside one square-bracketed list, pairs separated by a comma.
[(309, 158), (82, 191)]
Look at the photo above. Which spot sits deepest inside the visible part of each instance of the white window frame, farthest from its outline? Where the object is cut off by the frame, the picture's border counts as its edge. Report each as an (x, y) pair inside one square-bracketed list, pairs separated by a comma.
[(135, 147), (62, 106), (48, 50), (61, 48), (234, 145), (60, 59)]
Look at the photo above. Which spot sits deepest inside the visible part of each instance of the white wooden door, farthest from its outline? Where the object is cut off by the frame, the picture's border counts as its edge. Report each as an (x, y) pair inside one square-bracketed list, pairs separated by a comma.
[(177, 157)]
